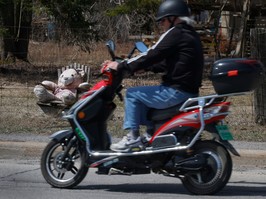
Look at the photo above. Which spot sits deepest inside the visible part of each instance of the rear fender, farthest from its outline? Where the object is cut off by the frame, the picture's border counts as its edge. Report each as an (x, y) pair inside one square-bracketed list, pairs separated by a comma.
[(63, 134), (211, 128)]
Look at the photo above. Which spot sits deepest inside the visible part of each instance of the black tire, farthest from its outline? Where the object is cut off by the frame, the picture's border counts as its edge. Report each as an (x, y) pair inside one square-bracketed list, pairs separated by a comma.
[(215, 175), (67, 173)]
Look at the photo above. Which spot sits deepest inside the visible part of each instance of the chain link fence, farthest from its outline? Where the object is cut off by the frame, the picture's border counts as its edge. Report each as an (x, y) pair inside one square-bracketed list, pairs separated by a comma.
[(19, 112)]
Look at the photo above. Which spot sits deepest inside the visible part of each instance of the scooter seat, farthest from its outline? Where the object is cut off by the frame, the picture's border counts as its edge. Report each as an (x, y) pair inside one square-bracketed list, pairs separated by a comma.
[(163, 114)]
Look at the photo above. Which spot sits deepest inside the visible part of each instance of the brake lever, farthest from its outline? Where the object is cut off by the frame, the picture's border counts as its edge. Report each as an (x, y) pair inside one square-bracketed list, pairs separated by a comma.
[(98, 75), (120, 96)]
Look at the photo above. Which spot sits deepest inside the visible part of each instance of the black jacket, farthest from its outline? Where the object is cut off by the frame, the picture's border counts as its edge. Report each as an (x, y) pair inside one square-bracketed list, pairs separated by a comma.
[(178, 53)]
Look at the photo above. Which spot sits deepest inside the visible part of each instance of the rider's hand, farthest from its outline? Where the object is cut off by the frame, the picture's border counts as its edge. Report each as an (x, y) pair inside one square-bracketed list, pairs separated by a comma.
[(105, 63), (112, 65)]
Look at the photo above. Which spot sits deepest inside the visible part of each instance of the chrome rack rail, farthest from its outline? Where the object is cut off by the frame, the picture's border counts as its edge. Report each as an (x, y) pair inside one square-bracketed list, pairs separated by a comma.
[(201, 101)]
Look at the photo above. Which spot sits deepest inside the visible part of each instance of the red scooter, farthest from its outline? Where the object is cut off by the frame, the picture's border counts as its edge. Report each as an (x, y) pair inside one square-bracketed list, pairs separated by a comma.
[(177, 147)]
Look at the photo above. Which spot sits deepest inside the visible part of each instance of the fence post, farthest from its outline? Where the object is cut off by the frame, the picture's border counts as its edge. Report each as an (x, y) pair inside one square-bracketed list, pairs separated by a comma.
[(258, 36)]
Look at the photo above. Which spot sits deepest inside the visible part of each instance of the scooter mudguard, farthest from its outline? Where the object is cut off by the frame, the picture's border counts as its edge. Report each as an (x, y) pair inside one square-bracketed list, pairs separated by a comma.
[(59, 135)]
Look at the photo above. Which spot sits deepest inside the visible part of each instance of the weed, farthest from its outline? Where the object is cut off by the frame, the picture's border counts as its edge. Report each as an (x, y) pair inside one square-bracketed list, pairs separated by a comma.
[(21, 114)]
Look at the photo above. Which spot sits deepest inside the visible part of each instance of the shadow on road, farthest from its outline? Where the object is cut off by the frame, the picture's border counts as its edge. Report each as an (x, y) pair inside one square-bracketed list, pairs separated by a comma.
[(232, 189)]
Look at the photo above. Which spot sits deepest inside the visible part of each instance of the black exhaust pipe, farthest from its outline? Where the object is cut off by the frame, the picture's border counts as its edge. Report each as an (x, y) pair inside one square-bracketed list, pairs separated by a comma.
[(194, 163)]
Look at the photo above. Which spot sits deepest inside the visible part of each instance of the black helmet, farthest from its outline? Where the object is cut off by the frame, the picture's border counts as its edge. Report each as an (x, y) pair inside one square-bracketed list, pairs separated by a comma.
[(172, 8)]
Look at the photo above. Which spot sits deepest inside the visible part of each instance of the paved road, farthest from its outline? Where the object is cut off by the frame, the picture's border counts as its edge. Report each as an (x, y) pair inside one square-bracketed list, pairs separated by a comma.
[(20, 178)]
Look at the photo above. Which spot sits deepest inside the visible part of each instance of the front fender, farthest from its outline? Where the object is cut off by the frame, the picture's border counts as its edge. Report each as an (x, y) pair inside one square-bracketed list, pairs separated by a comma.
[(59, 135)]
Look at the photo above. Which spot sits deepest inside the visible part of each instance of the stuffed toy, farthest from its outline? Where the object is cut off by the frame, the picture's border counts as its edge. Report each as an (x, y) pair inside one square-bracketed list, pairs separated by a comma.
[(65, 91)]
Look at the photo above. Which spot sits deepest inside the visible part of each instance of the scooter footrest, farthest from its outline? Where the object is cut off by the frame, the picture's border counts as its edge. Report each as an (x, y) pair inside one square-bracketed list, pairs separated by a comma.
[(164, 141)]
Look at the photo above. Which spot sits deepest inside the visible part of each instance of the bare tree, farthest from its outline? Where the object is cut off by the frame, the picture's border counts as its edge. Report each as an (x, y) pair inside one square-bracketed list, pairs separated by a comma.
[(16, 17)]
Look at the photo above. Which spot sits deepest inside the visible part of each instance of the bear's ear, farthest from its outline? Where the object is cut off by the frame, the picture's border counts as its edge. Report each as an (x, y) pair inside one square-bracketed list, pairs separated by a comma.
[(81, 72), (68, 72)]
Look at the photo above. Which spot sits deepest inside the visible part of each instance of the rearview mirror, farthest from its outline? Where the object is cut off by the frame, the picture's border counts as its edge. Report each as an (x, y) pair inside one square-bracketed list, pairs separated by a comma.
[(110, 44), (141, 46), (111, 48)]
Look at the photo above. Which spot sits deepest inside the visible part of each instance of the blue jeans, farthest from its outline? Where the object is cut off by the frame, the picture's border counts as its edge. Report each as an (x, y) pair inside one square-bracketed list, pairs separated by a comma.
[(139, 99)]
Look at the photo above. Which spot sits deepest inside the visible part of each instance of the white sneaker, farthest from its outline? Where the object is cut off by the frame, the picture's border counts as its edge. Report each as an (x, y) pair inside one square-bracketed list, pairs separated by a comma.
[(127, 144), (147, 137)]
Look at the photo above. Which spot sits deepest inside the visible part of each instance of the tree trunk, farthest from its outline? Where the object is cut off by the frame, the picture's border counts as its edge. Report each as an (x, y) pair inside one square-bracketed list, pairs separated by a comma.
[(260, 103), (258, 36), (16, 21)]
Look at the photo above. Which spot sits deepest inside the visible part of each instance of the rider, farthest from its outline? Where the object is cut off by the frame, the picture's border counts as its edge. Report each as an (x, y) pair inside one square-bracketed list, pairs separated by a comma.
[(179, 55)]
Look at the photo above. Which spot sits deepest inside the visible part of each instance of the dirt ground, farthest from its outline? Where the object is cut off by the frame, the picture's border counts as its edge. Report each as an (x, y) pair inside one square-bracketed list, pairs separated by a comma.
[(21, 114)]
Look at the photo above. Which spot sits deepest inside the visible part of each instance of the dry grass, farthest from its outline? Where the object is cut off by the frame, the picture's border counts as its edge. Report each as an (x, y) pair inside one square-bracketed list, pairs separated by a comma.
[(57, 55), (20, 114)]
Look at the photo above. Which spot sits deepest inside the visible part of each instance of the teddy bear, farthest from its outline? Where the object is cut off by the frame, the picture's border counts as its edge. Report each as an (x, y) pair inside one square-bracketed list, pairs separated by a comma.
[(65, 91)]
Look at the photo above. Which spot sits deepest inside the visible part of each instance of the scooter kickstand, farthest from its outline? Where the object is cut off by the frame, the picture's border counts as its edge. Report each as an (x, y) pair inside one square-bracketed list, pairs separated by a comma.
[(114, 171)]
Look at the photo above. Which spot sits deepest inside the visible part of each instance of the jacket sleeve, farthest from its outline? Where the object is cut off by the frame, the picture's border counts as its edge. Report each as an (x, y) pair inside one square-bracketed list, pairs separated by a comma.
[(153, 59), (157, 68)]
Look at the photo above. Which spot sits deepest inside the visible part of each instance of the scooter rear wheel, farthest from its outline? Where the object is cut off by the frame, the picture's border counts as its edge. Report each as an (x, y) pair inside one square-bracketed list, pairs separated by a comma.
[(215, 174), (67, 172)]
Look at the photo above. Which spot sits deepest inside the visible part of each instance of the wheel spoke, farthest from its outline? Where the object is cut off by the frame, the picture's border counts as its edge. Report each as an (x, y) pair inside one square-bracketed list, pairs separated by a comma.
[(74, 170), (75, 157), (51, 160), (60, 175), (75, 154), (199, 177)]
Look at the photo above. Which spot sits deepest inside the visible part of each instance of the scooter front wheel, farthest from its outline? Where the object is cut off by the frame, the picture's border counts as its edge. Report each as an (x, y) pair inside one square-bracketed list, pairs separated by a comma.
[(64, 172), (216, 172)]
